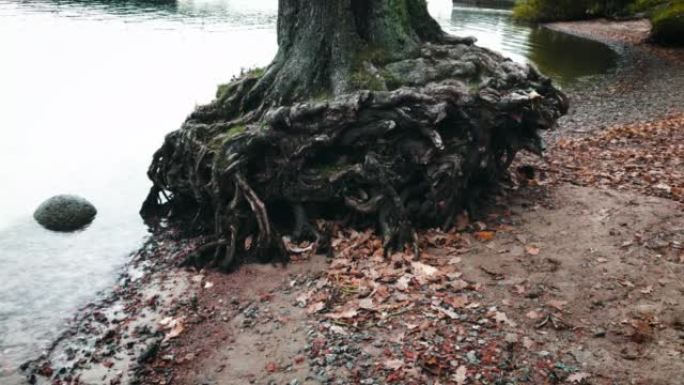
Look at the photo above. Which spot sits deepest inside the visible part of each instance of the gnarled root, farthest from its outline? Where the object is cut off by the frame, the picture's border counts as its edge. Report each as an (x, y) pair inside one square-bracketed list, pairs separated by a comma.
[(396, 159)]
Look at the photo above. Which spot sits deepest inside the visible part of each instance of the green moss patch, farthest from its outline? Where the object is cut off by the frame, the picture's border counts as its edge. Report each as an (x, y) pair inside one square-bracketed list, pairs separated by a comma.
[(668, 24)]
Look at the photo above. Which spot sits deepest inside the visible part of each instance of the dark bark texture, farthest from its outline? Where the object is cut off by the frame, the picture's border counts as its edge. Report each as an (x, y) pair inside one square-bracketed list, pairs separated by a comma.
[(369, 114)]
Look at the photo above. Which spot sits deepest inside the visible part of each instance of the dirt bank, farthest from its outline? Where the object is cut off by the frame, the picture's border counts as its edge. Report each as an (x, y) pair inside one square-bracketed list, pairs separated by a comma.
[(564, 284)]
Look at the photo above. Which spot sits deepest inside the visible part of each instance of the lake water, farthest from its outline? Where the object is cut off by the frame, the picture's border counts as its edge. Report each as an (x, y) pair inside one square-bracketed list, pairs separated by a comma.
[(87, 91)]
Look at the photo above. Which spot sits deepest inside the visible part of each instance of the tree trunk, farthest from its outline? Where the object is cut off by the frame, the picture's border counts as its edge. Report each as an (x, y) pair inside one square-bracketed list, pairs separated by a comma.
[(323, 44), (368, 113)]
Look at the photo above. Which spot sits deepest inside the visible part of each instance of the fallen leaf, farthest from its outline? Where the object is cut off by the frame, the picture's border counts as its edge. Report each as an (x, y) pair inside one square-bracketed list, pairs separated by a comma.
[(367, 303), (484, 236), (303, 298), (423, 269), (520, 289), (393, 364), (528, 343), (533, 315), (167, 322), (175, 331), (532, 249), (339, 330), (315, 307), (271, 367), (455, 260), (458, 284), (578, 377), (664, 187), (350, 313), (457, 302), (403, 283), (460, 376), (647, 290), (501, 317), (447, 312), (557, 304)]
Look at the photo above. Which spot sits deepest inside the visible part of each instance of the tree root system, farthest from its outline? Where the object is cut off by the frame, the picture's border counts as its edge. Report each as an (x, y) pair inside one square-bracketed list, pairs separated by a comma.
[(412, 148)]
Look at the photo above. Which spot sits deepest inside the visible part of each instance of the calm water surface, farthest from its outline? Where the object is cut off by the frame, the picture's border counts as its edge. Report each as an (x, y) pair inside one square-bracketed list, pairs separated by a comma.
[(87, 91)]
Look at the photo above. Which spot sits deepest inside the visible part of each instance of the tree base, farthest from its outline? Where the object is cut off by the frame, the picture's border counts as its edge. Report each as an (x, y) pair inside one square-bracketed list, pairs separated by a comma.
[(411, 149)]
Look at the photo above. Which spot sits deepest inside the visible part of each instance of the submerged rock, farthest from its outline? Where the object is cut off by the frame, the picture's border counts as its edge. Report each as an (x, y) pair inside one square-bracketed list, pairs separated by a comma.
[(65, 213)]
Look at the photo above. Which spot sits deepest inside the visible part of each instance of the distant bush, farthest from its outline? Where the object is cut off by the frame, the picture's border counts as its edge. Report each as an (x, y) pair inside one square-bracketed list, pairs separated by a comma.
[(646, 5), (667, 16), (552, 10), (548, 10), (668, 23)]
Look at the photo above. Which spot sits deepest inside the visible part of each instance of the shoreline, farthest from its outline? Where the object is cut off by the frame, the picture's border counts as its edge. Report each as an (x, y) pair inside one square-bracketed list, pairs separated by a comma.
[(110, 338), (164, 324), (646, 85)]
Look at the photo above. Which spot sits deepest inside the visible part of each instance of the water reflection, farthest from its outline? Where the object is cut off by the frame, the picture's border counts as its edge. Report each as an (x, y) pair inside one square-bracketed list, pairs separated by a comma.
[(567, 58), (493, 28), (226, 13), (563, 57)]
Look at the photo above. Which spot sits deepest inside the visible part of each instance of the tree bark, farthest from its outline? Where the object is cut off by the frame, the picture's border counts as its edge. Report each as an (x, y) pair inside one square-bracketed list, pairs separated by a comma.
[(322, 43)]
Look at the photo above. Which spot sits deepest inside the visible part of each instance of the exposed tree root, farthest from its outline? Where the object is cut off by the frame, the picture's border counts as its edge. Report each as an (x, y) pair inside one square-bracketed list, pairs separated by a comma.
[(409, 153)]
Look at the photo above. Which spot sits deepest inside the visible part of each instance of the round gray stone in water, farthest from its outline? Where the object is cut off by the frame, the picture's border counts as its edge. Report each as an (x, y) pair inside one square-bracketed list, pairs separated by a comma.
[(65, 213)]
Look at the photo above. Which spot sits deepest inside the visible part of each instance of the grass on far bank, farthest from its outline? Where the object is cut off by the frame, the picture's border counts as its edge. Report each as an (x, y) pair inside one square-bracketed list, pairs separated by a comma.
[(667, 16)]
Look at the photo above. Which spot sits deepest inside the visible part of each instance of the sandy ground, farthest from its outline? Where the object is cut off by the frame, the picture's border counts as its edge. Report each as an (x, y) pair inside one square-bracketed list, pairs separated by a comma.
[(589, 277), (572, 275)]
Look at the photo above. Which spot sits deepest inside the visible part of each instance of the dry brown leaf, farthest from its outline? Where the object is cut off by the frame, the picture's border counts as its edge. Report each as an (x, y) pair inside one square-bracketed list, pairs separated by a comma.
[(578, 377), (647, 290), (344, 314), (315, 307), (175, 331), (303, 299), (532, 249), (557, 304), (403, 283), (461, 375), (484, 236), (458, 284), (446, 312), (520, 289), (339, 330), (367, 304), (455, 260), (528, 343), (424, 270), (393, 364), (533, 315), (501, 317), (457, 302)]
